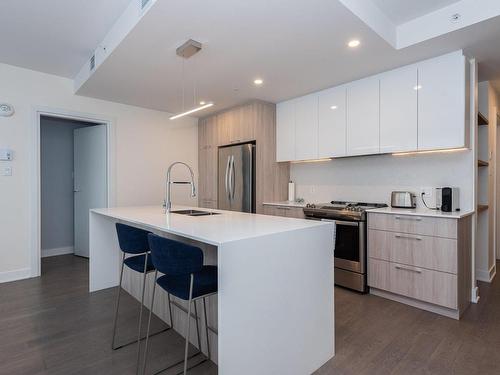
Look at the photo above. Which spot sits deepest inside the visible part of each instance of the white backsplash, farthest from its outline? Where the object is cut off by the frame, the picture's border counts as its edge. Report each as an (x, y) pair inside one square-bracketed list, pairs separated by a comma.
[(372, 178)]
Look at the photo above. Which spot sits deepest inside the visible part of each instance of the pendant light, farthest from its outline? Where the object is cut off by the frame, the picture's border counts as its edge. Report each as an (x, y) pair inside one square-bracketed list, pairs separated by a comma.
[(185, 51)]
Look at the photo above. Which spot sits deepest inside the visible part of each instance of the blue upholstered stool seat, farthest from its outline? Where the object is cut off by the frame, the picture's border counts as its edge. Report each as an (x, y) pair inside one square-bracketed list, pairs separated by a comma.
[(204, 282), (137, 263)]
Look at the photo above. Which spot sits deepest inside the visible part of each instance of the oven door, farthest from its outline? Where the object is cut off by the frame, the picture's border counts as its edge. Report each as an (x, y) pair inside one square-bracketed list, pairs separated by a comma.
[(350, 245)]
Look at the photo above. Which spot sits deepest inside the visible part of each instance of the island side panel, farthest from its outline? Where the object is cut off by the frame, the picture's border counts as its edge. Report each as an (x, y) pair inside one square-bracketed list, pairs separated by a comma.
[(104, 253), (276, 303)]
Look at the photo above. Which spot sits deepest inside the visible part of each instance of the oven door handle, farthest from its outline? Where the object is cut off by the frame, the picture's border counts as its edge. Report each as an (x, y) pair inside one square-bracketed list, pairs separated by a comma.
[(348, 223)]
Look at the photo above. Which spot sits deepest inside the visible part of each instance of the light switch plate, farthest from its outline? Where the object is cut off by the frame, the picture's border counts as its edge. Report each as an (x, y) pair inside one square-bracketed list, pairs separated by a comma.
[(7, 171), (5, 154)]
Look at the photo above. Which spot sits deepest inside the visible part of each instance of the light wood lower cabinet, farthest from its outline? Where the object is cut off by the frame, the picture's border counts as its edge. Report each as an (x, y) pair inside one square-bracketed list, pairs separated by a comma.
[(407, 264), (439, 288), (424, 225), (435, 253), (295, 212)]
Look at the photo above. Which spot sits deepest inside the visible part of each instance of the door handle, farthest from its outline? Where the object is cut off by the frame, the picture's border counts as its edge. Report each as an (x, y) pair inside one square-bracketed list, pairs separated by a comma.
[(408, 218), (416, 270), (233, 178), (408, 237), (226, 181)]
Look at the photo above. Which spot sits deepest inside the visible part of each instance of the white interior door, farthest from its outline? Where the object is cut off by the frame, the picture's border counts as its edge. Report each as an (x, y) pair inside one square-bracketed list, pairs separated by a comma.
[(90, 180)]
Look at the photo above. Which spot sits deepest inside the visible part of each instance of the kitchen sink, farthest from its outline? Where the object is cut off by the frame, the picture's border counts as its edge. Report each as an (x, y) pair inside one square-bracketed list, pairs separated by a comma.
[(194, 213)]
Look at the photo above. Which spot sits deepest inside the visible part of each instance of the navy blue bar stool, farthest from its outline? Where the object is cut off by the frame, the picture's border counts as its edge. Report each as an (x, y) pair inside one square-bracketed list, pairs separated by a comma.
[(133, 241), (185, 277)]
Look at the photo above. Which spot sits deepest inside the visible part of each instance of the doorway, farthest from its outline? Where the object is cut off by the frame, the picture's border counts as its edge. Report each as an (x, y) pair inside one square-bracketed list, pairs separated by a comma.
[(73, 168)]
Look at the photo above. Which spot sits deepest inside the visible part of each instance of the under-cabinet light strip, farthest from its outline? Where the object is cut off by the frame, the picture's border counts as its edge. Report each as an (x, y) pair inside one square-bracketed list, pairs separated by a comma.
[(430, 151)]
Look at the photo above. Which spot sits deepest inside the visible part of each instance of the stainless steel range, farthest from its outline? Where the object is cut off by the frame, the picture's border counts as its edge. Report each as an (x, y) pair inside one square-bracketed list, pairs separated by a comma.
[(350, 239)]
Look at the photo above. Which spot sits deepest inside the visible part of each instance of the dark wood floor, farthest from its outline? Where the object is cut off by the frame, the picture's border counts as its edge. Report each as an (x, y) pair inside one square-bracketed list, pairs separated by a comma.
[(52, 325)]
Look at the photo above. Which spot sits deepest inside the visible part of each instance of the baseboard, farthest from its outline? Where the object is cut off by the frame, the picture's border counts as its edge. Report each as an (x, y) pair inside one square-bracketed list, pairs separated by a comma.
[(7, 276), (475, 295), (486, 276), (57, 251), (450, 313)]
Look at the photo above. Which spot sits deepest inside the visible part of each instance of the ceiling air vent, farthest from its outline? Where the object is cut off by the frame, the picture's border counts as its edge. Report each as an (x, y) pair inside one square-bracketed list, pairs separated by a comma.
[(92, 63), (144, 3)]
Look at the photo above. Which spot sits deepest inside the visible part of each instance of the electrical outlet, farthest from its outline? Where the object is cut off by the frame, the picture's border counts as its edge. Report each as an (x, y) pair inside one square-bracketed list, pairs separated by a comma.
[(427, 191)]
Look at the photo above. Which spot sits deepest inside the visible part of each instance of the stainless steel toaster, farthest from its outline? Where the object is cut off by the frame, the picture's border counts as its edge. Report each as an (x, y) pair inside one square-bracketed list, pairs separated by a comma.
[(403, 199)]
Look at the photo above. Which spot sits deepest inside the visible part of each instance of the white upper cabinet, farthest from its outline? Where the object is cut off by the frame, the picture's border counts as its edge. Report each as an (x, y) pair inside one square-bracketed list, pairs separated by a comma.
[(332, 122), (306, 127), (363, 117), (422, 106), (441, 102), (285, 131), (398, 110)]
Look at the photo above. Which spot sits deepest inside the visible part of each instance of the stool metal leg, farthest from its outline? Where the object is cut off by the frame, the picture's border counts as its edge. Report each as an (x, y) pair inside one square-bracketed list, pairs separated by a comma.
[(118, 303), (140, 312), (198, 336), (149, 325), (170, 311), (188, 323), (206, 326)]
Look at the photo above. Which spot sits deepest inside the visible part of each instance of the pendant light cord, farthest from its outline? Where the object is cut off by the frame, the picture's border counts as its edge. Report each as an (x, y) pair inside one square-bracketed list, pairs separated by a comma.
[(183, 84)]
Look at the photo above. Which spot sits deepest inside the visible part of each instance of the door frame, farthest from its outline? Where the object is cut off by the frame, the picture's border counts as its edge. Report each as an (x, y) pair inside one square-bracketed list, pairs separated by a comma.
[(35, 186)]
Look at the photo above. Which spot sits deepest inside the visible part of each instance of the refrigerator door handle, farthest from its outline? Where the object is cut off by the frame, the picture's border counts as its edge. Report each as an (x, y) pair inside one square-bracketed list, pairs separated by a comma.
[(233, 178), (226, 182)]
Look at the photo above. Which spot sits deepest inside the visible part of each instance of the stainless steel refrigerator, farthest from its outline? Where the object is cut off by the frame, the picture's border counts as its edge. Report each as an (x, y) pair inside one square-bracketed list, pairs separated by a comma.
[(237, 178)]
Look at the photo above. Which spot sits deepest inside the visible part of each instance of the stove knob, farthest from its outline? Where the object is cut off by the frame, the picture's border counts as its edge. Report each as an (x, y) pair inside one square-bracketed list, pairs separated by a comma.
[(310, 205)]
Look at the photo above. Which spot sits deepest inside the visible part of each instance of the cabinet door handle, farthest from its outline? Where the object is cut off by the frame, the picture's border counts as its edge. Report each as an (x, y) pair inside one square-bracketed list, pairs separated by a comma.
[(401, 268), (408, 218), (409, 237)]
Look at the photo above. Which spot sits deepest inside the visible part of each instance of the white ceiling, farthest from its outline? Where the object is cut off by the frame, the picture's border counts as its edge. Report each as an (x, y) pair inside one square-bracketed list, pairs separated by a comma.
[(401, 11), (296, 49), (296, 46), (54, 36)]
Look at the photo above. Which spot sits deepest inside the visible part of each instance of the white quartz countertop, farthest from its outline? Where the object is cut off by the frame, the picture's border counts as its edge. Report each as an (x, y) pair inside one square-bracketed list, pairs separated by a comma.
[(286, 204), (214, 229), (422, 212)]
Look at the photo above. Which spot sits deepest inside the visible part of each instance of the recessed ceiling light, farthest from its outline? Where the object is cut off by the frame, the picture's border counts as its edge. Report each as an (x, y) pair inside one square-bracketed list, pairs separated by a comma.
[(202, 103), (333, 107), (258, 81), (417, 87), (354, 43)]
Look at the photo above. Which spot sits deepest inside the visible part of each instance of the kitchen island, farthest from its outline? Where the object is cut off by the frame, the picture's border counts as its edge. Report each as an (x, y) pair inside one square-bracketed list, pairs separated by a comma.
[(274, 312)]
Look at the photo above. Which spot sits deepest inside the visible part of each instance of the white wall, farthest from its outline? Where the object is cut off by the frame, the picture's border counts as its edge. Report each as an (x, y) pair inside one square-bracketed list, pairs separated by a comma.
[(372, 178), (57, 197), (145, 143)]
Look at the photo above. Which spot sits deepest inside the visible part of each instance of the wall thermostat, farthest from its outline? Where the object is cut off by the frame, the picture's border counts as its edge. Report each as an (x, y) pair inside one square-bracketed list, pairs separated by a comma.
[(6, 110)]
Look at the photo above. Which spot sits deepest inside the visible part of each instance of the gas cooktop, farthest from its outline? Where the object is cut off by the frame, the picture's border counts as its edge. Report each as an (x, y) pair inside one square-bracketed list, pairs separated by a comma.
[(340, 210)]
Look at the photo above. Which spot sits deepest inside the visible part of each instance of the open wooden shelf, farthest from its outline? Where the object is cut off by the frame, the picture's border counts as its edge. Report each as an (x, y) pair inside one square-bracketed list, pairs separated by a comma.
[(482, 207), (481, 119), (482, 163)]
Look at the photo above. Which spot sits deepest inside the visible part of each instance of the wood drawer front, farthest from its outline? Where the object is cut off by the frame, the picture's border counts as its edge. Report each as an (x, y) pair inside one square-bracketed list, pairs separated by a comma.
[(427, 226), (379, 275), (435, 287), (435, 253)]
